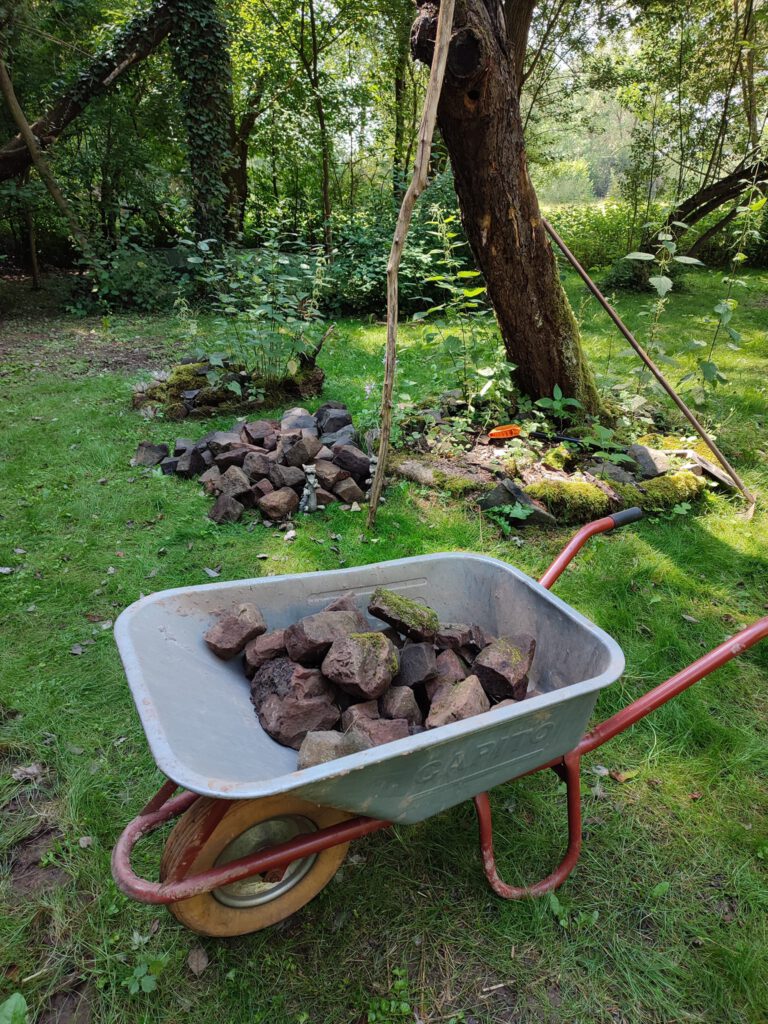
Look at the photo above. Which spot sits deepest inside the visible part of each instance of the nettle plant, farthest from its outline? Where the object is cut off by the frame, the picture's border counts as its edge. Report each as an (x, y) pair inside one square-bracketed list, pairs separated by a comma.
[(665, 255), (269, 323), (461, 327)]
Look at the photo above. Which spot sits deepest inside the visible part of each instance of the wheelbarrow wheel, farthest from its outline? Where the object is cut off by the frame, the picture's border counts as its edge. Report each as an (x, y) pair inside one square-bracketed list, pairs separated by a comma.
[(245, 827)]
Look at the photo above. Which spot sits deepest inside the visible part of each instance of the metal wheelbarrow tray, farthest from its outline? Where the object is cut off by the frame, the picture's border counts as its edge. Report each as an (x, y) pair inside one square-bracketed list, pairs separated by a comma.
[(205, 736)]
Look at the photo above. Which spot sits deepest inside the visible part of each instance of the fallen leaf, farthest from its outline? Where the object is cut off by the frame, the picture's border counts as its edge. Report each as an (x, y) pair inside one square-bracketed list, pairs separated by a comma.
[(622, 776), (151, 574), (262, 557), (102, 480), (111, 570), (695, 796), (290, 536), (213, 573), (5, 570), (19, 551), (106, 624), (599, 769), (197, 961), (77, 649), (75, 750), (85, 842), (28, 772), (690, 618)]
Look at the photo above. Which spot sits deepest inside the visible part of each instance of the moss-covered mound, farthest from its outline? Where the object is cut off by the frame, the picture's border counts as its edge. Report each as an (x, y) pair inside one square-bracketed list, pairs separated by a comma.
[(662, 493), (571, 502), (576, 502), (187, 390)]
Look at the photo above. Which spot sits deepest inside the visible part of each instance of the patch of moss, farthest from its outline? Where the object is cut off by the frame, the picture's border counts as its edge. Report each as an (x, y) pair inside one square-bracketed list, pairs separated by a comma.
[(558, 458), (673, 442), (175, 411), (511, 467), (456, 485), (663, 492), (185, 377), (417, 617), (571, 502)]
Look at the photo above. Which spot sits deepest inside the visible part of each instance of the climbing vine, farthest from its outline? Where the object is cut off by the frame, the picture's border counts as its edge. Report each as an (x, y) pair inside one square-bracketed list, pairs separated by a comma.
[(200, 53)]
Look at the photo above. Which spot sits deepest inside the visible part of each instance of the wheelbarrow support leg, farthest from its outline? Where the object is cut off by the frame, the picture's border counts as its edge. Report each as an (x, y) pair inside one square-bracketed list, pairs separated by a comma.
[(568, 770)]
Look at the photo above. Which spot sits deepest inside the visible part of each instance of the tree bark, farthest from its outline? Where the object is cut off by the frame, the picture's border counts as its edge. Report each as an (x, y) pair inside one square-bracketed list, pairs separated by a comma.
[(135, 42), (480, 122), (713, 196), (39, 161)]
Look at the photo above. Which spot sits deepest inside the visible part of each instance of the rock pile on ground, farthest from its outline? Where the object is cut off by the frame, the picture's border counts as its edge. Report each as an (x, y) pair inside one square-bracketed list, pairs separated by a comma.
[(277, 467), (332, 684)]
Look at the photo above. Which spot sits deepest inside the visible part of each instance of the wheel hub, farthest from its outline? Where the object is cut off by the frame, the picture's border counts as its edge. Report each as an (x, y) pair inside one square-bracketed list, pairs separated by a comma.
[(258, 889)]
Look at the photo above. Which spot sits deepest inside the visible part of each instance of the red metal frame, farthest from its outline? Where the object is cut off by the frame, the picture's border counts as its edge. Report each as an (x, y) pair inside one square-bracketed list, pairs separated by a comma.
[(164, 806)]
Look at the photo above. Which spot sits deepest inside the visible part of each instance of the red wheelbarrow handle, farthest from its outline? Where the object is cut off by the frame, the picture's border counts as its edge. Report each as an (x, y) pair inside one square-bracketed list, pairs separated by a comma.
[(577, 542)]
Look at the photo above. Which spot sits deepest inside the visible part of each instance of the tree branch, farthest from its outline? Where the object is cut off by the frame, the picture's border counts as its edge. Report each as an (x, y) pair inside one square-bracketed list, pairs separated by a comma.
[(135, 42)]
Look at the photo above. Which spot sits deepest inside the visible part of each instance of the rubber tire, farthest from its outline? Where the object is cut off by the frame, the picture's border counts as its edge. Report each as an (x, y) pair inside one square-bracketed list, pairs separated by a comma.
[(204, 914)]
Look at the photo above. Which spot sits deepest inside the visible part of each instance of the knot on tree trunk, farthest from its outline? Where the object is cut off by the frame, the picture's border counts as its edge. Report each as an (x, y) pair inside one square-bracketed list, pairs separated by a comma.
[(466, 56)]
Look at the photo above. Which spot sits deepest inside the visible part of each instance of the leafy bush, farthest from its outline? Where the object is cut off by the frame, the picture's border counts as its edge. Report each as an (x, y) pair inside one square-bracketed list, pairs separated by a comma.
[(269, 322)]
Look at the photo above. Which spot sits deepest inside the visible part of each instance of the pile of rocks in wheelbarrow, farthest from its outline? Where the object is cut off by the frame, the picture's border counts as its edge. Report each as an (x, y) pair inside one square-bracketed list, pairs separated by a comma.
[(331, 684), (300, 462)]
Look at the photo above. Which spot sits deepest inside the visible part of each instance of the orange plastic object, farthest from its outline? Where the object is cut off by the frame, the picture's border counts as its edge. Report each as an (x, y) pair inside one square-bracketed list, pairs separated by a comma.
[(504, 433)]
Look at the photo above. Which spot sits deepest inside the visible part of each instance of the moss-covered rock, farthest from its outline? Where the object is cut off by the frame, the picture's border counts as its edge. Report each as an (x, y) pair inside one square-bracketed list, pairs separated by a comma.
[(558, 458), (571, 501), (673, 442), (455, 484), (664, 492), (186, 377)]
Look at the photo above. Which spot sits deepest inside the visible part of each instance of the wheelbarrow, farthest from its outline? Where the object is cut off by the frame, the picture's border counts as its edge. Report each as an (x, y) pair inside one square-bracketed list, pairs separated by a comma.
[(256, 839)]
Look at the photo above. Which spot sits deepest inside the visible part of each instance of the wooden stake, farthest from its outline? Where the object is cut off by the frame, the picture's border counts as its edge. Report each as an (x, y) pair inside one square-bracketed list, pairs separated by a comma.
[(416, 187), (39, 161)]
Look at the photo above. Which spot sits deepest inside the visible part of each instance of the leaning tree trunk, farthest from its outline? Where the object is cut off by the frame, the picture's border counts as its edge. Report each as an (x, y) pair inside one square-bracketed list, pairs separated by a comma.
[(479, 119)]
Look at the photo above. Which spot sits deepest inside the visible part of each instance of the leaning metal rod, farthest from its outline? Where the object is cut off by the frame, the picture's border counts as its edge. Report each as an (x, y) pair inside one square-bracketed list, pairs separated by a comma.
[(629, 336)]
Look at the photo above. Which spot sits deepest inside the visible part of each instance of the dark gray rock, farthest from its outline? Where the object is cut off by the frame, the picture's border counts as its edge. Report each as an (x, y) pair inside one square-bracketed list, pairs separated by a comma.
[(235, 483), (346, 435), (226, 509), (417, 664), (610, 471), (256, 466), (169, 465), (508, 493), (256, 432), (223, 441), (351, 458), (148, 454), (211, 480), (191, 463), (234, 457), (650, 461), (182, 444), (297, 419), (287, 476), (331, 417)]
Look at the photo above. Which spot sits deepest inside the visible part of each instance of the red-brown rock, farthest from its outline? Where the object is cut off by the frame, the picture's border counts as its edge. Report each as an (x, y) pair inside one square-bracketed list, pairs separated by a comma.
[(281, 677), (263, 649), (256, 466), (226, 509), (303, 452), (456, 701), (380, 730), (233, 457), (324, 497), (235, 483), (348, 491), (310, 639), (287, 476), (503, 667), (399, 702), (362, 664), (450, 669), (453, 636), (211, 480), (289, 719), (279, 504), (367, 709), (256, 432), (328, 474), (229, 635)]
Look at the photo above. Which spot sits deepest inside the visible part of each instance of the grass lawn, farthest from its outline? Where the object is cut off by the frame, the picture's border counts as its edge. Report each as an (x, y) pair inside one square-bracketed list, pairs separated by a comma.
[(665, 917)]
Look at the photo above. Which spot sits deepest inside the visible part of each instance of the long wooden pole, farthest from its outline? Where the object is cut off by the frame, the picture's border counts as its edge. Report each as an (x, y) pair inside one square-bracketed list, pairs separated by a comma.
[(416, 187), (39, 161), (635, 344)]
